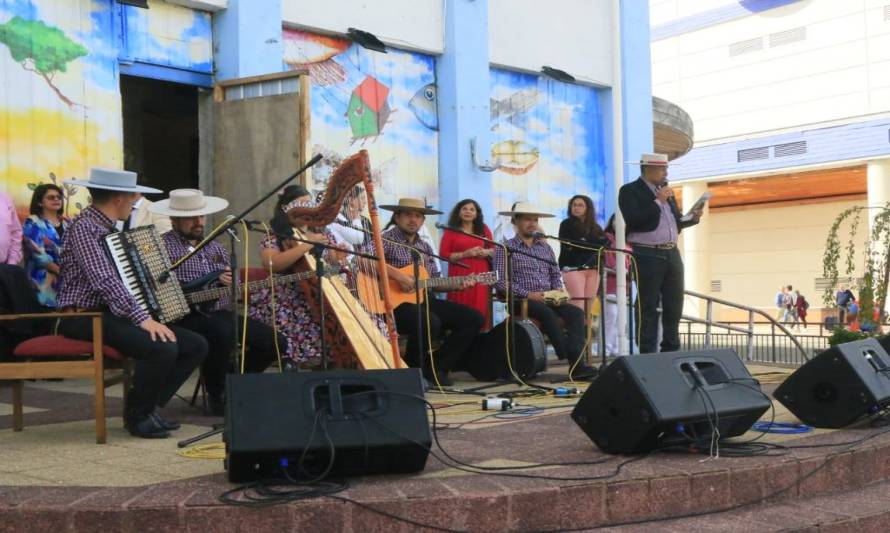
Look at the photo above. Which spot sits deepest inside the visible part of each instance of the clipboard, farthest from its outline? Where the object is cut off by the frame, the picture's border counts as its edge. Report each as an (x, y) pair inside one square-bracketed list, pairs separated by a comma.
[(699, 204)]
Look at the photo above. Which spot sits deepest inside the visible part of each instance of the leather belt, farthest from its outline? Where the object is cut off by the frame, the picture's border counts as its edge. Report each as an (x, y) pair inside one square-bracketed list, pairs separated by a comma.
[(665, 246)]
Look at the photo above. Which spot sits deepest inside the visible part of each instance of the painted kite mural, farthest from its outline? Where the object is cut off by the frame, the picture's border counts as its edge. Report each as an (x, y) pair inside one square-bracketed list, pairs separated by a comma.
[(384, 103), (547, 145), (60, 102)]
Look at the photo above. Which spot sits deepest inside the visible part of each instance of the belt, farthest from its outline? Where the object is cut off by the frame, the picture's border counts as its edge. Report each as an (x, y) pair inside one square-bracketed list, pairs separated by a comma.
[(665, 246)]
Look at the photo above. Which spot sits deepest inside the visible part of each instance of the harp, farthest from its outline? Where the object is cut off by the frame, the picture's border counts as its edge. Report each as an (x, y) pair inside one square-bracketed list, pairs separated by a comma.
[(356, 335)]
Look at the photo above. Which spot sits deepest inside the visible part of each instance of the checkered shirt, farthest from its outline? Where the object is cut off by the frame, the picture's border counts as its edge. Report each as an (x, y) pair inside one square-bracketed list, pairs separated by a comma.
[(528, 274), (89, 278), (211, 258), (398, 256)]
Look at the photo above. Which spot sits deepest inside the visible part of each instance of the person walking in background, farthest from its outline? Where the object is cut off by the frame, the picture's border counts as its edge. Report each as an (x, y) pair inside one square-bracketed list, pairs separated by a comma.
[(467, 217), (43, 232), (780, 303), (10, 232), (579, 265), (801, 305), (843, 298), (787, 304)]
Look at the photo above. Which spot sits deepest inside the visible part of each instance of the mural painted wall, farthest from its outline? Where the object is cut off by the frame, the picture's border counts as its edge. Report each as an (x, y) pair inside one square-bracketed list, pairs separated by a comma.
[(547, 143), (385, 103), (60, 105)]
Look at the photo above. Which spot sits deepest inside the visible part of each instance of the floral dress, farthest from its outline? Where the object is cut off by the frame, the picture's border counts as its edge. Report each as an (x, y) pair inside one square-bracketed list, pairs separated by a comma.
[(293, 317), (43, 245)]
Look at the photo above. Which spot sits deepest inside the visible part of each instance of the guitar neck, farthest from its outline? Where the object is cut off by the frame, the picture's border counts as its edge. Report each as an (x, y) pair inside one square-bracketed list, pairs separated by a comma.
[(453, 281), (219, 292)]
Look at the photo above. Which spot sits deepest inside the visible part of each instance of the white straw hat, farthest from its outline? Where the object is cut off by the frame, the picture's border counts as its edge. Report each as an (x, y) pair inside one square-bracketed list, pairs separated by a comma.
[(525, 208), (188, 203), (112, 180)]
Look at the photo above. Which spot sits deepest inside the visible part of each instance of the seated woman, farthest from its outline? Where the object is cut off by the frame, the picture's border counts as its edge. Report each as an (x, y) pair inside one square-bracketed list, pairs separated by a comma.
[(292, 315), (42, 238)]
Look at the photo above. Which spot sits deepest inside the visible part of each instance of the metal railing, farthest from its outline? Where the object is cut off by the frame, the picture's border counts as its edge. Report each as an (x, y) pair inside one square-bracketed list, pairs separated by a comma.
[(766, 341)]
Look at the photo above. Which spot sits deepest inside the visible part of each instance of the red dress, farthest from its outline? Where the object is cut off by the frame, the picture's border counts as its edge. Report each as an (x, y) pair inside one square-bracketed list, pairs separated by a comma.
[(476, 297)]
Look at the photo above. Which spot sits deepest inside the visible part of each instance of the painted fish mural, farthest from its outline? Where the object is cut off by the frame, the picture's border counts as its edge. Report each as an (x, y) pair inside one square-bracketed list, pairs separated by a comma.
[(514, 157), (316, 54), (424, 104), (369, 109)]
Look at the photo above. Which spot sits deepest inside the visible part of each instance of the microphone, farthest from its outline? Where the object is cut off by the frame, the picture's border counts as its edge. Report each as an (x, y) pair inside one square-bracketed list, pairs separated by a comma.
[(539, 235), (439, 225)]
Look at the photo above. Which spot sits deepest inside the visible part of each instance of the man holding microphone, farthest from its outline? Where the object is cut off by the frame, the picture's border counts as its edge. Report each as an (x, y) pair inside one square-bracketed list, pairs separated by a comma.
[(653, 224)]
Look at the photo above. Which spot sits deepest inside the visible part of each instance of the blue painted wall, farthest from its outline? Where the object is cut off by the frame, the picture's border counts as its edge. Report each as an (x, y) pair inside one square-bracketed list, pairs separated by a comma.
[(247, 39), (637, 84)]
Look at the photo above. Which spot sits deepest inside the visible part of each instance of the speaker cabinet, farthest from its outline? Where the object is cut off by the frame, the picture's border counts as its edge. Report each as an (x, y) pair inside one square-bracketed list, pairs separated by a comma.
[(839, 385), (292, 422), (643, 402)]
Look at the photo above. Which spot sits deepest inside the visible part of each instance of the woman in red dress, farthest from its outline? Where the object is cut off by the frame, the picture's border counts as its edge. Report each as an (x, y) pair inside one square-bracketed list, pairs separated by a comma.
[(475, 254)]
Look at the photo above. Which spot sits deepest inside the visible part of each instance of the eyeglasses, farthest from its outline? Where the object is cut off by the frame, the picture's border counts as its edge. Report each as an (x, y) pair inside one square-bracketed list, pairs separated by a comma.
[(52, 197)]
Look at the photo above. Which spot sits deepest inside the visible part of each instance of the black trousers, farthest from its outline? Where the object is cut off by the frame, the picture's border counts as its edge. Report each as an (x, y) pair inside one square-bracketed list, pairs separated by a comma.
[(661, 280), (567, 338), (463, 322), (217, 328), (160, 368)]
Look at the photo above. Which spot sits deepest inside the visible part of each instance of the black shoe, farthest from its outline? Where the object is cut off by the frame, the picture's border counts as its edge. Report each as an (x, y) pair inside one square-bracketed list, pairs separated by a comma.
[(166, 423), (441, 378), (582, 371), (216, 404), (147, 427)]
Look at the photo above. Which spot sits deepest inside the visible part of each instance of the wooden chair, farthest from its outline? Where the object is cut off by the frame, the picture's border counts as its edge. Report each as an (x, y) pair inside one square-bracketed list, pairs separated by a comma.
[(55, 356)]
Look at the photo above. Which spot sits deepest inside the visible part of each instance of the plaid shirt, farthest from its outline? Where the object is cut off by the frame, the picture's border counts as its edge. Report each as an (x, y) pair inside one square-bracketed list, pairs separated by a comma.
[(211, 258), (528, 274), (89, 278), (400, 256)]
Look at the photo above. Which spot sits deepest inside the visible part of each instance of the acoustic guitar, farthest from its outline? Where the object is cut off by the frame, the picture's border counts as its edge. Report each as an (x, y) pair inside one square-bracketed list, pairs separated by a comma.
[(369, 290)]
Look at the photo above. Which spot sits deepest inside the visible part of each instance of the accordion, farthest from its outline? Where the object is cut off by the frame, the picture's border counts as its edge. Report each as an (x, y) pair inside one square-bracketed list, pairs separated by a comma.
[(141, 258)]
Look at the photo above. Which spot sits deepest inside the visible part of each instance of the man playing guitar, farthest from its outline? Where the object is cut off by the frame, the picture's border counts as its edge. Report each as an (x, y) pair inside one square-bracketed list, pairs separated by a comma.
[(463, 322), (187, 209)]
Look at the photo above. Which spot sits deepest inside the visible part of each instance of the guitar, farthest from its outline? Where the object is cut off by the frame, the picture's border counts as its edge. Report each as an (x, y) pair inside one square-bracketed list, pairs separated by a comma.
[(369, 291), (197, 297)]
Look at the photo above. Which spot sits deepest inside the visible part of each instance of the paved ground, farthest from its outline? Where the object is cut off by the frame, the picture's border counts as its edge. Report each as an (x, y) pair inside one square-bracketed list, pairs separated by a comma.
[(53, 475)]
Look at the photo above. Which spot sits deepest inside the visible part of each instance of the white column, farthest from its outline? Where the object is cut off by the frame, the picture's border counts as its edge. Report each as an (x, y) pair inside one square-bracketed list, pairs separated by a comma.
[(696, 252), (878, 179)]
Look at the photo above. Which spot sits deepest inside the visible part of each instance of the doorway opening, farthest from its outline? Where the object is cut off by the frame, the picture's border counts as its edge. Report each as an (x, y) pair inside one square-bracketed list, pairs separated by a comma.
[(160, 123)]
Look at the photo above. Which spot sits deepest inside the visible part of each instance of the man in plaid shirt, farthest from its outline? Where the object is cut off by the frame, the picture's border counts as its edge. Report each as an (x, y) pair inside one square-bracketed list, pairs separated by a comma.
[(530, 278), (187, 209), (463, 322), (164, 356)]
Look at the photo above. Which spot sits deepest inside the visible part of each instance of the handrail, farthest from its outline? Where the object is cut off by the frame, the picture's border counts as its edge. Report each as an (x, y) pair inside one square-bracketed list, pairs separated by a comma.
[(709, 322)]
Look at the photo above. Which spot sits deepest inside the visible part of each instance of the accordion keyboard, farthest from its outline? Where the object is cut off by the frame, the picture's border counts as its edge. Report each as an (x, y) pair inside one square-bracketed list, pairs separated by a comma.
[(141, 259)]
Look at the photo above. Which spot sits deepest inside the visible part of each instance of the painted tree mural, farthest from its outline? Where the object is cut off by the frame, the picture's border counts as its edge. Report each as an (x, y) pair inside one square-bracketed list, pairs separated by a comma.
[(41, 49)]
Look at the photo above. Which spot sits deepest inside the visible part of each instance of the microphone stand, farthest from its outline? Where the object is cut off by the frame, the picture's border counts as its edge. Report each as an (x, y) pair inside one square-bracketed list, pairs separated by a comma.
[(508, 268), (415, 259), (230, 221), (317, 252)]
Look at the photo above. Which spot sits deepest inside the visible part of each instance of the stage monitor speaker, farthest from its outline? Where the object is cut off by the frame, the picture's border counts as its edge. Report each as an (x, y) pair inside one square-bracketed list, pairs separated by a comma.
[(839, 386), (643, 402), (373, 420)]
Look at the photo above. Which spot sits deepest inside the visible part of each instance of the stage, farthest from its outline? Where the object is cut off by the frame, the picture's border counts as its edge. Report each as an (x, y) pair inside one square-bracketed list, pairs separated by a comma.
[(54, 477)]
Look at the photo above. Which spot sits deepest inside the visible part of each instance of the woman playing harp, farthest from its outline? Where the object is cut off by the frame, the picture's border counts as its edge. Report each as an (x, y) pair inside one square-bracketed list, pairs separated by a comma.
[(352, 334)]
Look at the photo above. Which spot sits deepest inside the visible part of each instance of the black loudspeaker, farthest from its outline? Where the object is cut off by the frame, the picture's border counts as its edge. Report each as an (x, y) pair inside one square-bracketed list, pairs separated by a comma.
[(643, 402), (289, 423), (839, 385)]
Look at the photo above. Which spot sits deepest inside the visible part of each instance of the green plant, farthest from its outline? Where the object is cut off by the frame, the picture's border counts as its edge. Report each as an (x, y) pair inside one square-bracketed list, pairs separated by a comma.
[(840, 335), (874, 261)]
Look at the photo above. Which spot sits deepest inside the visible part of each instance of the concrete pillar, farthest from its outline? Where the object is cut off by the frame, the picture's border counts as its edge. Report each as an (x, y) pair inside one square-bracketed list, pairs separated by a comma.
[(878, 180), (247, 39), (463, 91), (696, 252)]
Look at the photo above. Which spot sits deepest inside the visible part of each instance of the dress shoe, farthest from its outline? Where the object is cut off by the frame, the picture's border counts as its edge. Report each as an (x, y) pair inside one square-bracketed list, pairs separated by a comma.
[(441, 377), (147, 427), (582, 371), (166, 423), (216, 404)]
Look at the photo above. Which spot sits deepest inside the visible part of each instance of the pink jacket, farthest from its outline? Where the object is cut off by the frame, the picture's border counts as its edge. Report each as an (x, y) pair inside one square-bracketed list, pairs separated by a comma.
[(612, 261), (10, 232)]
